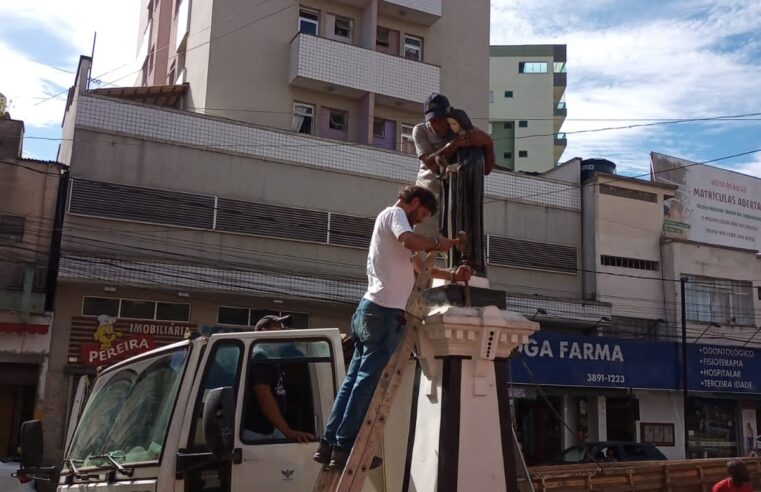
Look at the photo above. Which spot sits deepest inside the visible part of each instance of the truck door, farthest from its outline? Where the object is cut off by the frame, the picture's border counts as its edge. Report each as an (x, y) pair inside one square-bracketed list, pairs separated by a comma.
[(300, 370), (197, 470), (303, 376)]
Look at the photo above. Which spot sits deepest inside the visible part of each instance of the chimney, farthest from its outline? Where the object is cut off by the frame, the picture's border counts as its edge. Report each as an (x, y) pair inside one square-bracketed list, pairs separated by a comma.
[(11, 138)]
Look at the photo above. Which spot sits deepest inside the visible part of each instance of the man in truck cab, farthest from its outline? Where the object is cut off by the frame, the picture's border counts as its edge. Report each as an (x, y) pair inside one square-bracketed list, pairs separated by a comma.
[(378, 323), (266, 420)]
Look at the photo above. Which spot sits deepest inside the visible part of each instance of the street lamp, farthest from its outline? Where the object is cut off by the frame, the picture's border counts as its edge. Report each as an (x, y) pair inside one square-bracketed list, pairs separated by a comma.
[(683, 288)]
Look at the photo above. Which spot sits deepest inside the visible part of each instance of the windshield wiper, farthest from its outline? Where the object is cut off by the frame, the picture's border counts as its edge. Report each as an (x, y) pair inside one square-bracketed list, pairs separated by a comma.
[(127, 472)]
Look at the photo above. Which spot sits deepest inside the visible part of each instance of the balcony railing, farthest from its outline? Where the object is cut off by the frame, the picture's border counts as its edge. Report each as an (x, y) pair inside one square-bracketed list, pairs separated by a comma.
[(326, 65)]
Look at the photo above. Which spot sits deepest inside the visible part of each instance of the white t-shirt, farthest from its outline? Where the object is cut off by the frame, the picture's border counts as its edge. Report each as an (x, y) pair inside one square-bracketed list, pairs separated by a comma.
[(390, 272)]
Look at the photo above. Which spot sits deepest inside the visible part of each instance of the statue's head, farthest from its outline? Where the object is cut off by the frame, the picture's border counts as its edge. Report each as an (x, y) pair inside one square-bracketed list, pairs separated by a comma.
[(458, 121)]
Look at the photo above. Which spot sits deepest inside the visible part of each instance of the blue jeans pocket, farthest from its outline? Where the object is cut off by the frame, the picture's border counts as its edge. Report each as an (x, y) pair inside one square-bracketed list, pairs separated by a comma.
[(371, 328)]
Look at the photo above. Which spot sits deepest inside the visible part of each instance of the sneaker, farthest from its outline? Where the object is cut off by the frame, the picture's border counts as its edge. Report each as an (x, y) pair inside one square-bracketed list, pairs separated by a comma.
[(324, 450), (341, 455)]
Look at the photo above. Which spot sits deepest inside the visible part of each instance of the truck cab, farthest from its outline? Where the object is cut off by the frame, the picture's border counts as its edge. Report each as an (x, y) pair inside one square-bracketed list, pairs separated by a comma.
[(186, 417)]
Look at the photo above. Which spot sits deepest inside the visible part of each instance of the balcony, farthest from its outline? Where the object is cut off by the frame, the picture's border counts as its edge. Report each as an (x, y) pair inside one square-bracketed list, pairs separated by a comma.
[(331, 66), (424, 12), (560, 144)]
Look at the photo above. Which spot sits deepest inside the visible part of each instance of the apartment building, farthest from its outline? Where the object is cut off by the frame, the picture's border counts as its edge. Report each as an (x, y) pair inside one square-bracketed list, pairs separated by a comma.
[(354, 71), (28, 196), (527, 105)]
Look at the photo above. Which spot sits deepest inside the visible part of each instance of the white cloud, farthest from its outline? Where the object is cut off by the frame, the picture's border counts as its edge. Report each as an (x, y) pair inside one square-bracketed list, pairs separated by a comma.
[(681, 60), (752, 167), (72, 23)]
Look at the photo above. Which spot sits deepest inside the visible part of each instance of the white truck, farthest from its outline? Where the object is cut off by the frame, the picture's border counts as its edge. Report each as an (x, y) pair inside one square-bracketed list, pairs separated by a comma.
[(180, 418)]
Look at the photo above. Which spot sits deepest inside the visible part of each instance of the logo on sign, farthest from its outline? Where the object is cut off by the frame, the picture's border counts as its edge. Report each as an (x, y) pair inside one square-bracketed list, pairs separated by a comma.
[(112, 344)]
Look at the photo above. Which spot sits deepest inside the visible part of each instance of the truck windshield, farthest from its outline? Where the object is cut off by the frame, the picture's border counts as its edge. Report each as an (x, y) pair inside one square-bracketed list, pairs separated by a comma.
[(128, 412)]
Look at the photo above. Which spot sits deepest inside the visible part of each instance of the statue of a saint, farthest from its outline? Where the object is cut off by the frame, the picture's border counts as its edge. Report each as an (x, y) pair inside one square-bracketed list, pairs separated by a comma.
[(454, 157)]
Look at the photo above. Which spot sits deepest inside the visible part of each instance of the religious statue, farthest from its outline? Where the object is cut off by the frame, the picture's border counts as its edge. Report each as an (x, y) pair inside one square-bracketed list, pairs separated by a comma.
[(462, 179)]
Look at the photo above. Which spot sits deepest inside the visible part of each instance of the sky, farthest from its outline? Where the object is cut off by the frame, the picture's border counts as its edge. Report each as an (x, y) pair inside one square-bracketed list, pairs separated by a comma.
[(630, 62)]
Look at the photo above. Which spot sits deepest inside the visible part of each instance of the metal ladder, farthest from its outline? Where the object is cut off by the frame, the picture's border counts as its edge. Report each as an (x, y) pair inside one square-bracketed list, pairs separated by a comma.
[(357, 466)]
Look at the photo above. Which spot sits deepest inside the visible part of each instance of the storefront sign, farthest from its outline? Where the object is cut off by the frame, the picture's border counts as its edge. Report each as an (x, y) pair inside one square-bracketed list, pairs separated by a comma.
[(723, 368), (711, 205), (104, 340), (566, 360)]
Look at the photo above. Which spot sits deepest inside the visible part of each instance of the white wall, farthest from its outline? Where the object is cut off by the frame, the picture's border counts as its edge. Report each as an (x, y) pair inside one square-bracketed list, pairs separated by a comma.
[(663, 407)]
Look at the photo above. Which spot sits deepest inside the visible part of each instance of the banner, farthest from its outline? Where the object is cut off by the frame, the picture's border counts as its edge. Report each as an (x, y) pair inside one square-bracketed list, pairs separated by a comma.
[(711, 205), (555, 359)]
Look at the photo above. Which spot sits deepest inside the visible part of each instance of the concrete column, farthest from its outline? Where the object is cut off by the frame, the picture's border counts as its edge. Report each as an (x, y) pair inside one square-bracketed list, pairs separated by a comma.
[(463, 437), (570, 416)]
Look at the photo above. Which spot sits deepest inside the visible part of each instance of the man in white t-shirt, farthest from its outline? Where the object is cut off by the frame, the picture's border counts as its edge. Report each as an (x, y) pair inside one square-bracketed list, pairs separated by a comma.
[(378, 323)]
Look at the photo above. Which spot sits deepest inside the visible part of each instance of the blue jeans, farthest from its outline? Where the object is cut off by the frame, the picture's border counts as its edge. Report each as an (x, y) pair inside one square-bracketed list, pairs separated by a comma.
[(376, 331)]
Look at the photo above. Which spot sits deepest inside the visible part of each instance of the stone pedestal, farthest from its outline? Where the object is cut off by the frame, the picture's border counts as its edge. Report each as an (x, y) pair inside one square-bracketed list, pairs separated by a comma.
[(462, 436)]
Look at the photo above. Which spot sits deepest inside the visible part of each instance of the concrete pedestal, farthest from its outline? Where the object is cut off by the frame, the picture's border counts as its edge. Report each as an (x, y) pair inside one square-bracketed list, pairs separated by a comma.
[(462, 436)]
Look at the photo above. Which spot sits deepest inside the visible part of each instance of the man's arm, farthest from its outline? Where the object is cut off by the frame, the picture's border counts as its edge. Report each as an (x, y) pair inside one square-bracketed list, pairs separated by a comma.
[(269, 408), (461, 274), (418, 242)]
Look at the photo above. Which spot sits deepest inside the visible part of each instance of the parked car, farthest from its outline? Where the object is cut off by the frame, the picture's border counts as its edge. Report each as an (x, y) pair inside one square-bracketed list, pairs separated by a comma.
[(9, 483), (609, 451)]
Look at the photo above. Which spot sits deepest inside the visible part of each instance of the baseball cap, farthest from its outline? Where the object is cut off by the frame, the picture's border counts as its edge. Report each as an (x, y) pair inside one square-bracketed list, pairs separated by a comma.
[(435, 106), (270, 319)]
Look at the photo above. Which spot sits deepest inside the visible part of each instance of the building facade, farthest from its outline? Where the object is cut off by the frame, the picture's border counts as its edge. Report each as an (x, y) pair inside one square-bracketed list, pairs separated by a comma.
[(28, 197), (178, 222), (527, 105)]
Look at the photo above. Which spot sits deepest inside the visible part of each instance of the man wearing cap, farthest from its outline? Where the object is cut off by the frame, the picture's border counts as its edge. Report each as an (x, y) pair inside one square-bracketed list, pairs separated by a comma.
[(378, 323), (435, 142), (265, 422)]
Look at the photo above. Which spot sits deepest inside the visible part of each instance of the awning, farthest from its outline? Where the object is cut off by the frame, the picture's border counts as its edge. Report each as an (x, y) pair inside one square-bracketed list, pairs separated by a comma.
[(23, 328)]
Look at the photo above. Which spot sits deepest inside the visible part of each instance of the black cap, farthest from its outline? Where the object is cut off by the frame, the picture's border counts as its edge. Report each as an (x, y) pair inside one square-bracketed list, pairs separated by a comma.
[(435, 106), (270, 319)]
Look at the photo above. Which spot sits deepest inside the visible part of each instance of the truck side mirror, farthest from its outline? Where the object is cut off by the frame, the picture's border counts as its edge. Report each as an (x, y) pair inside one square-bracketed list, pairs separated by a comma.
[(219, 420), (31, 444)]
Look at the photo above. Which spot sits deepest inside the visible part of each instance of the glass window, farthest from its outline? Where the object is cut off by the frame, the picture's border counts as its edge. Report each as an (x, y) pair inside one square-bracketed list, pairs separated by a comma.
[(507, 155), (95, 306), (379, 128), (233, 316), (712, 428), (523, 124), (172, 311), (342, 27), (12, 228), (337, 120), (299, 321), (303, 118), (309, 21), (532, 67), (523, 153), (382, 36), (558, 67), (508, 93), (222, 369), (128, 413), (298, 377), (407, 144), (413, 48), (574, 454), (725, 302), (136, 309), (508, 125)]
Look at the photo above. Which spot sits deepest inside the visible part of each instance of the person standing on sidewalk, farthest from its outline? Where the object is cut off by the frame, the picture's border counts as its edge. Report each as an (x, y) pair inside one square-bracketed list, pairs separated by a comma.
[(378, 323)]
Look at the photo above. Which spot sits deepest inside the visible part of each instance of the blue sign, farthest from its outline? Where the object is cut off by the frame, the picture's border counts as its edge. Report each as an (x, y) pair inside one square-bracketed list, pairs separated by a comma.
[(555, 359), (566, 360), (723, 368)]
